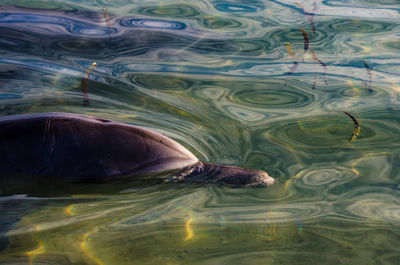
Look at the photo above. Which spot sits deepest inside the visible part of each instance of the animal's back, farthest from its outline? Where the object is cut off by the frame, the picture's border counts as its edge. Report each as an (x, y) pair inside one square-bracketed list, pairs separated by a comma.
[(78, 147)]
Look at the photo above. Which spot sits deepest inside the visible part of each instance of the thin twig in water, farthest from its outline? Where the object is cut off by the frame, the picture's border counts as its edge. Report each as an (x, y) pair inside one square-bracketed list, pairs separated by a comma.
[(316, 60), (306, 41), (310, 16), (356, 130), (369, 74), (107, 17), (295, 64), (84, 85)]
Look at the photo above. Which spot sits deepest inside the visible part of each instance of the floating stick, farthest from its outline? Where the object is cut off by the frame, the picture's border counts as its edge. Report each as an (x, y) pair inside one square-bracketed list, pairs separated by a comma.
[(306, 41), (295, 64), (107, 17), (314, 85), (310, 16), (369, 74), (84, 85), (290, 51), (356, 130), (316, 60)]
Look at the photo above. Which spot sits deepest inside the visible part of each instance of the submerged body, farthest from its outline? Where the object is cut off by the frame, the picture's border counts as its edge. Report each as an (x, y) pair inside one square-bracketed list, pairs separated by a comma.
[(67, 148)]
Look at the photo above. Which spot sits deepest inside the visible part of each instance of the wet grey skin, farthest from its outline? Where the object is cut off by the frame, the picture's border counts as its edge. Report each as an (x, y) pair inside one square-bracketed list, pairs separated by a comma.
[(67, 148)]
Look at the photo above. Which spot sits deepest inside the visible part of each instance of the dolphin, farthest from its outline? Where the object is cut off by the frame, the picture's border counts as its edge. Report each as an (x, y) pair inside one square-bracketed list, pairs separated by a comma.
[(58, 148)]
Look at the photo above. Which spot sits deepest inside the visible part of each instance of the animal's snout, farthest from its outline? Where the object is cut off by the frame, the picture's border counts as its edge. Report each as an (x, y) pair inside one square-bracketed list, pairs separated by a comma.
[(236, 176)]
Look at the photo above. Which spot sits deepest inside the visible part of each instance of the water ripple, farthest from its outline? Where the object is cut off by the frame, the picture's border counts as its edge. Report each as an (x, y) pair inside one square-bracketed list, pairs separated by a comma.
[(152, 24), (273, 97), (328, 176), (176, 11), (361, 26), (216, 76), (384, 208)]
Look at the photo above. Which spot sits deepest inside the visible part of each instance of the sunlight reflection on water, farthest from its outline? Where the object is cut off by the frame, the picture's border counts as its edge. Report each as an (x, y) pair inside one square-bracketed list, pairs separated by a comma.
[(218, 77)]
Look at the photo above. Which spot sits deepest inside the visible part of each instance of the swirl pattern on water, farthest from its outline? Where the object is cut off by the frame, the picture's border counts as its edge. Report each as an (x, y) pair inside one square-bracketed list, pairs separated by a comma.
[(362, 27), (177, 11), (327, 176), (272, 97), (153, 24), (218, 77), (379, 205), (231, 7)]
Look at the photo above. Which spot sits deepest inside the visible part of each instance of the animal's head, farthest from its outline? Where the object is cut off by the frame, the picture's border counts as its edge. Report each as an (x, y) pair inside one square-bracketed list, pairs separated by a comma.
[(228, 175)]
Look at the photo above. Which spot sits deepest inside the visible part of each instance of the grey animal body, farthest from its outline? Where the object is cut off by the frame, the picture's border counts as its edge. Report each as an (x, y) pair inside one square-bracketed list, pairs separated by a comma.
[(69, 148)]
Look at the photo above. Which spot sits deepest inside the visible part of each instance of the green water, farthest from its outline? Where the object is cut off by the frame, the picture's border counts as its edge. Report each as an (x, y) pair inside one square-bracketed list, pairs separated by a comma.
[(217, 77)]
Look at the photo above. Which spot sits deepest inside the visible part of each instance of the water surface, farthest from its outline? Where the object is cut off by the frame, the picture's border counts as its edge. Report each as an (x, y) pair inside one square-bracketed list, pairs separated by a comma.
[(234, 82)]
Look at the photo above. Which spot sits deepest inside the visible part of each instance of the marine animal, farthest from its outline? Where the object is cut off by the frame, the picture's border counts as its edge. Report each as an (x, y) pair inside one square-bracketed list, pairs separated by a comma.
[(71, 148)]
